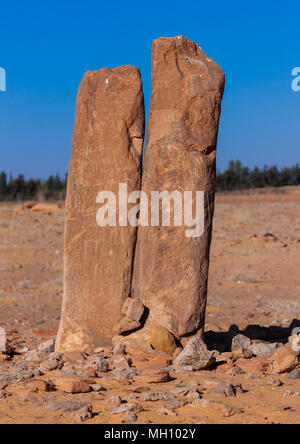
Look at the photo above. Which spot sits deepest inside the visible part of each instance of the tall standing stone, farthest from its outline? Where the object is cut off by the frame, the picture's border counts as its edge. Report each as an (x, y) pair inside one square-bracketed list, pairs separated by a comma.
[(98, 261), (171, 269)]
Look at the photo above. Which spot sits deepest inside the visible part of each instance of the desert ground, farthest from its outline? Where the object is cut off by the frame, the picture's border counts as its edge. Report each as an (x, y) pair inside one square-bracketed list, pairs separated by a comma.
[(254, 289)]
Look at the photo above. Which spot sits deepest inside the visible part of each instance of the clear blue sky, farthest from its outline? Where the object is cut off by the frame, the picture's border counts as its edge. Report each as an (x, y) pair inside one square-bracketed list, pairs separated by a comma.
[(46, 46)]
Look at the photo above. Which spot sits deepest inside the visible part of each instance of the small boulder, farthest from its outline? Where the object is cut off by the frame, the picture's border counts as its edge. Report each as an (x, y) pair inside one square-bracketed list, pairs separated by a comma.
[(224, 389), (47, 347), (48, 366), (153, 376), (83, 414), (134, 407), (37, 385), (98, 388), (225, 410), (72, 385), (240, 342), (114, 399), (194, 354), (120, 362), (176, 403), (264, 349), (285, 359), (150, 337), (254, 365), (158, 396), (99, 364), (130, 417)]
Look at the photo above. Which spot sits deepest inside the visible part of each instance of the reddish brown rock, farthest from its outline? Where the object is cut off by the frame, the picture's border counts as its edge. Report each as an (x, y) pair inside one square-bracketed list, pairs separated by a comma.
[(73, 385), (285, 359), (37, 385), (98, 261), (45, 208), (171, 269), (153, 376), (258, 364), (152, 363)]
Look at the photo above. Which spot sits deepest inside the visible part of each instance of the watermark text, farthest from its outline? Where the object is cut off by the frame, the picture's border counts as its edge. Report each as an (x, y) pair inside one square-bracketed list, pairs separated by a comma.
[(2, 80), (160, 209), (296, 80)]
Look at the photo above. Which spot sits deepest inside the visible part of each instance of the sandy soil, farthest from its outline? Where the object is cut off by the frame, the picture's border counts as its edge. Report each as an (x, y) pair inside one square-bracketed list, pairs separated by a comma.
[(254, 279)]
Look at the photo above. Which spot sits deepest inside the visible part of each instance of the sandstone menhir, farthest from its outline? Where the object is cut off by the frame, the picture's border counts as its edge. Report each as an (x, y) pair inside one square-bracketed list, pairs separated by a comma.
[(98, 261), (171, 269)]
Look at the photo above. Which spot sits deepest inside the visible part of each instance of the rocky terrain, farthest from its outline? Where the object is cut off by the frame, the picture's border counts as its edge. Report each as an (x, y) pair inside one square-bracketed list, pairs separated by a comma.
[(246, 372)]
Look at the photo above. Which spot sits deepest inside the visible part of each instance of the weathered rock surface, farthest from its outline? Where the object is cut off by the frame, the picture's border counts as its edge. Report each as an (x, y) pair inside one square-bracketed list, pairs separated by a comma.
[(285, 359), (48, 366), (66, 406), (258, 364), (171, 269), (72, 385), (262, 349), (223, 409), (240, 342), (151, 336), (158, 396), (47, 347), (134, 407), (194, 355), (153, 376), (83, 414), (133, 309), (37, 385), (126, 325), (295, 374), (98, 261), (99, 364)]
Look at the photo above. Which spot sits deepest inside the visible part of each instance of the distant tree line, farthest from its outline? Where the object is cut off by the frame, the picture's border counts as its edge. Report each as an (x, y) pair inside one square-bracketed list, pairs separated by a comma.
[(17, 188), (238, 177), (235, 177)]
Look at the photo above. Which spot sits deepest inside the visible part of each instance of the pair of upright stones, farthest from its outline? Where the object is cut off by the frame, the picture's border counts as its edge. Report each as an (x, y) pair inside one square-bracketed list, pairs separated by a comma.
[(119, 278)]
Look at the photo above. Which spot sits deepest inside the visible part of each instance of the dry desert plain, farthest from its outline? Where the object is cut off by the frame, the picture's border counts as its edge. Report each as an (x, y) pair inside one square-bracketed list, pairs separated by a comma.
[(254, 280)]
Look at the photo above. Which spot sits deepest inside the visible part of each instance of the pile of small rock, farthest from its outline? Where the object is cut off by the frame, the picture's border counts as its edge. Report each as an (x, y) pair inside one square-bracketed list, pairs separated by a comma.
[(45, 370)]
